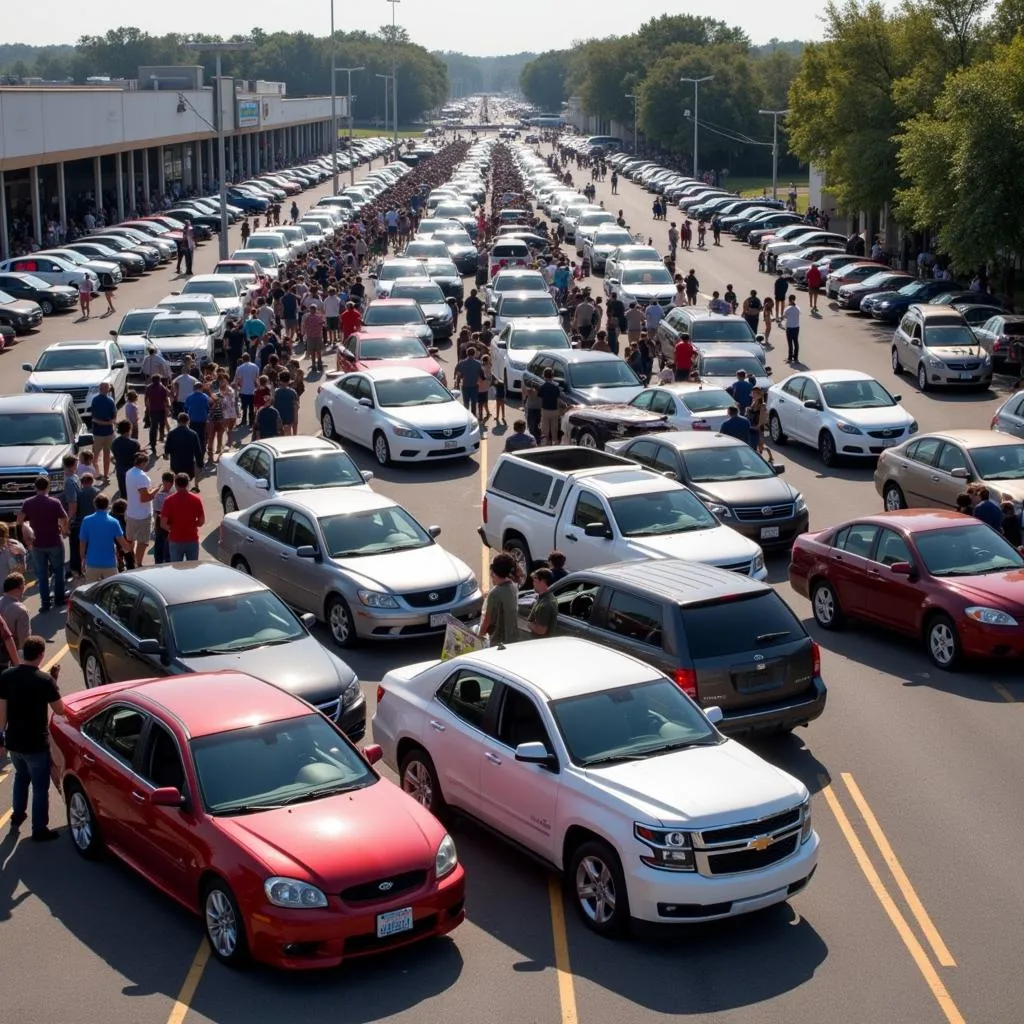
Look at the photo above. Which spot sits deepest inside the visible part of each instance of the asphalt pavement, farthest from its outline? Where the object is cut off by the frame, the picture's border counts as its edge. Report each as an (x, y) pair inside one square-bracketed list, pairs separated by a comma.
[(913, 916)]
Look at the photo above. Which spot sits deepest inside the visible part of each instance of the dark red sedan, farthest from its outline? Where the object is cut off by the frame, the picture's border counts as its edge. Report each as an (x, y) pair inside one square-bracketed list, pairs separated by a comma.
[(249, 807), (941, 576)]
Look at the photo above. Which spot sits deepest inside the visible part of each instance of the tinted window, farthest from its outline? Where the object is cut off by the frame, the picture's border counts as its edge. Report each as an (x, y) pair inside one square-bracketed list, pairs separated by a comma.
[(246, 459), (522, 482), (858, 539), (121, 731), (794, 387), (643, 452), (162, 762), (589, 510), (520, 721), (269, 520), (924, 450), (731, 627), (118, 601), (950, 458), (149, 623), (466, 695), (577, 599), (634, 618), (302, 531), (892, 548)]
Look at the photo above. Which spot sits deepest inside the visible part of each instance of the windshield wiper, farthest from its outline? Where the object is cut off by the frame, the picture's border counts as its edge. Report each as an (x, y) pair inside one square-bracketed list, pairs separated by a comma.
[(613, 759), (765, 638), (247, 808), (329, 789)]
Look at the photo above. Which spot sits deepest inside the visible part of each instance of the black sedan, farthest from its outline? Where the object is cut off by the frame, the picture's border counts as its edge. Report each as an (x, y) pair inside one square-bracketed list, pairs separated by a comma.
[(150, 255), (446, 275), (204, 617), (197, 219), (52, 298), (131, 264)]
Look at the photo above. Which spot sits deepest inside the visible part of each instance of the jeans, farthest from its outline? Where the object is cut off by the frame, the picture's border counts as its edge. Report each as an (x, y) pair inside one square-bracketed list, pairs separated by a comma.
[(161, 546), (184, 551), (247, 414), (793, 342), (34, 770), (470, 397), (157, 427), (74, 550), (46, 561)]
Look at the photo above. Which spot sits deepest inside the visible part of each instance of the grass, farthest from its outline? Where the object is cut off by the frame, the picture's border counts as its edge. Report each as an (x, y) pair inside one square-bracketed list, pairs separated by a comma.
[(752, 187), (369, 133)]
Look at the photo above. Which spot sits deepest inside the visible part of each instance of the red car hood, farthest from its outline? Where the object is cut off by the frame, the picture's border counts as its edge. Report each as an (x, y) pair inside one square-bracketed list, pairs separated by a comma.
[(1006, 587), (428, 363), (341, 840)]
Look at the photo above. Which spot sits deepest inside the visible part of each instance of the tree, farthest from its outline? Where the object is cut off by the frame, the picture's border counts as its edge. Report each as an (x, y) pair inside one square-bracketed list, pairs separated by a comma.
[(543, 80), (602, 74), (394, 33)]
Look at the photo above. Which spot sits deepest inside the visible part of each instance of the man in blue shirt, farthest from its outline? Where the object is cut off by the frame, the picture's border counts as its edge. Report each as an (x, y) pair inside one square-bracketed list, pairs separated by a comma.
[(103, 411), (987, 510), (197, 405), (736, 425), (253, 329), (741, 390), (99, 538)]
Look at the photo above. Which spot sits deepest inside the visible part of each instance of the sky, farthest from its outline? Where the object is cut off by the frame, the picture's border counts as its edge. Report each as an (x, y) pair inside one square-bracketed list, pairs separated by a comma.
[(535, 25)]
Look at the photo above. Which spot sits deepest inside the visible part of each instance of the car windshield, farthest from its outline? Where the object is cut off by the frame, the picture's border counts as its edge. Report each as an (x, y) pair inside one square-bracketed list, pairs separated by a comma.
[(640, 254), (440, 268), (276, 763), (857, 394), (726, 366), (949, 336), (409, 347), (1001, 462), (520, 283), (226, 289), (883, 280), (392, 271), (426, 248), (708, 331), (389, 316), (707, 399), (177, 327), (32, 428), (538, 305), (206, 307), (376, 532), (136, 323), (264, 258), (531, 341), (735, 462), (630, 723), (660, 512), (31, 281), (426, 292), (72, 359), (266, 242), (238, 622), (647, 275), (454, 237), (611, 236), (603, 373), (970, 550), (408, 391), (316, 469)]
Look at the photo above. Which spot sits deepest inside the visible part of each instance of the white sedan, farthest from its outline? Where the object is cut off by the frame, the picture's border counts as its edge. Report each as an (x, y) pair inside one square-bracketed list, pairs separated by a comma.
[(77, 368), (687, 406), (839, 412), (284, 465), (402, 414)]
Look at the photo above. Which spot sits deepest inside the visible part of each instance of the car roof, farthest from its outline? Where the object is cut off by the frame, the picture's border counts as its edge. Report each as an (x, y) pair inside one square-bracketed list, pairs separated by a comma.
[(726, 351), (687, 387), (932, 312), (44, 401), (393, 302), (327, 501), (76, 343), (186, 582), (677, 580), (615, 482), (519, 295), (704, 314), (973, 437), (169, 300), (167, 313), (296, 444), (203, 278), (517, 272), (692, 440), (418, 282), (915, 519)]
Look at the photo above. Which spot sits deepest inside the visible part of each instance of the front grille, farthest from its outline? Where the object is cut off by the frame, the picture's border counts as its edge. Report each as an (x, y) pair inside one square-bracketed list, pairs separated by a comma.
[(752, 860), (382, 889), (78, 395), (894, 432), (330, 709), (764, 512), (750, 829), (444, 453), (429, 598), (17, 488), (743, 567), (963, 366), (447, 433), (369, 943)]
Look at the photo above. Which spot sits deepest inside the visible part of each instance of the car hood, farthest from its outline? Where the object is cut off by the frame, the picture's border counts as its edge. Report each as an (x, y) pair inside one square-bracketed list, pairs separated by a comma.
[(717, 545), (336, 841), (32, 456), (64, 379), (304, 668), (185, 343), (889, 296), (23, 307), (648, 291), (606, 396), (440, 310), (700, 787), (1013, 488), (622, 414), (956, 351), (407, 571), (427, 363), (766, 491), (888, 416), (725, 382), (1006, 587)]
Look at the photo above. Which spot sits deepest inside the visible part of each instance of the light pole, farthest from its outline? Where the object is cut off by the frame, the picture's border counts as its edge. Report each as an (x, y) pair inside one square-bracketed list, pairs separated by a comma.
[(351, 165), (775, 115), (394, 72), (387, 78), (334, 109), (696, 82), (218, 49), (633, 96)]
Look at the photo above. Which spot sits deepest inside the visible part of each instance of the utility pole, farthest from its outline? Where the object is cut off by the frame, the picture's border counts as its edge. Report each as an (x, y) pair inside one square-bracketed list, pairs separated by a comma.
[(633, 96), (696, 82), (351, 165), (394, 72), (387, 78), (775, 115), (334, 109)]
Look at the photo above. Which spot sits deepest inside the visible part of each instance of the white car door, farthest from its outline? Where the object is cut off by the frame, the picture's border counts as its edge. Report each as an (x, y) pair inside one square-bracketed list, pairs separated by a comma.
[(120, 384), (809, 421), (499, 353), (581, 551), (342, 402), (788, 400)]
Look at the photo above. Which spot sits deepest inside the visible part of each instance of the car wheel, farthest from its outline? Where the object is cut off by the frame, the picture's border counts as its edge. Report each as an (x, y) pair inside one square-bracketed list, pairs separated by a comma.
[(82, 827), (225, 930), (418, 777), (327, 425), (599, 888), (241, 565), (943, 642), (46, 306), (825, 606), (381, 450), (586, 437), (827, 448), (92, 668), (922, 377), (520, 552), (892, 496), (228, 501), (778, 435), (897, 367), (339, 620)]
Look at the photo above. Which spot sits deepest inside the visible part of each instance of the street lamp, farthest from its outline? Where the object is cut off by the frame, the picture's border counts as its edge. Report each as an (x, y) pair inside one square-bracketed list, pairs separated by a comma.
[(218, 49), (775, 115), (633, 96), (394, 72), (696, 82), (387, 78), (351, 165)]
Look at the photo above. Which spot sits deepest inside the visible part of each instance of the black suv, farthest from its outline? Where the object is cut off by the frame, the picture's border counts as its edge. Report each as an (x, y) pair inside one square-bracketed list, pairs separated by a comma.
[(727, 640)]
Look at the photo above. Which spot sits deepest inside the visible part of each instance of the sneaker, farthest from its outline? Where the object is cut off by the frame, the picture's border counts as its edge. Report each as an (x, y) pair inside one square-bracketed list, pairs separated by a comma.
[(17, 821), (44, 835)]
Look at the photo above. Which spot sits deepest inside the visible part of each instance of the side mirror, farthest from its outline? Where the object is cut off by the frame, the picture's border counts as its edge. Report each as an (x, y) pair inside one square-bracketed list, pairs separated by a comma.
[(347, 353), (535, 753), (113, 334), (367, 475), (83, 441), (491, 310), (151, 648), (119, 364), (434, 531), (308, 619), (767, 371), (714, 714), (959, 473), (373, 753), (27, 367), (262, 484), (779, 470), (209, 330), (597, 530), (611, 280), (501, 344), (759, 338), (175, 293), (310, 552), (166, 796), (901, 569), (366, 403), (812, 403)]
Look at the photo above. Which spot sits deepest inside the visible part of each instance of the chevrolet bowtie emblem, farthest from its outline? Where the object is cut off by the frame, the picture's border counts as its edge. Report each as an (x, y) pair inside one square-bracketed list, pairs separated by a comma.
[(760, 843)]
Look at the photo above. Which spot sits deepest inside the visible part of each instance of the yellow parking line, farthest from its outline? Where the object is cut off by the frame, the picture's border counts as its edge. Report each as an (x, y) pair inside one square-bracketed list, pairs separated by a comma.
[(56, 658), (5, 817), (931, 933), (896, 918), (1004, 693), (563, 969), (188, 988)]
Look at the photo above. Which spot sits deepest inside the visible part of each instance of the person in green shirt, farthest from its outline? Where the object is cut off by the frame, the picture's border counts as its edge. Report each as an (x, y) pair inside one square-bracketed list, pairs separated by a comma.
[(543, 619), (500, 621)]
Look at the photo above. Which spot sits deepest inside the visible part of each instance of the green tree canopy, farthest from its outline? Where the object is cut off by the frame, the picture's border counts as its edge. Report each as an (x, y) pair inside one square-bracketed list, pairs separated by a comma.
[(543, 80)]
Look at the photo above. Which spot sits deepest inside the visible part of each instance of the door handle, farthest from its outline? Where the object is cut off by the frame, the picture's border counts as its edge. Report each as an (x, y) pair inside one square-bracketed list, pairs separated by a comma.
[(284, 555), (137, 797), (250, 540), (936, 479), (874, 572), (436, 725), (88, 758), (493, 758), (839, 558), (572, 537)]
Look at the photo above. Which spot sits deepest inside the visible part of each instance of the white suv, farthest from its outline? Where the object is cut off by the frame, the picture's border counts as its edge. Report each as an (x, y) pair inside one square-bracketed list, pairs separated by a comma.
[(607, 771)]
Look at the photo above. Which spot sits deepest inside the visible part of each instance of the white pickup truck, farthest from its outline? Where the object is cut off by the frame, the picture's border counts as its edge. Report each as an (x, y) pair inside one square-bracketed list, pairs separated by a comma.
[(599, 508)]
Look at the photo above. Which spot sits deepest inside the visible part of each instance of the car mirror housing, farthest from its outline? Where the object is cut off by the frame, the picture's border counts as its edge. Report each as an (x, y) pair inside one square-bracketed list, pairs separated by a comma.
[(434, 531), (367, 475), (535, 753), (166, 796), (113, 334), (901, 569), (308, 619), (779, 469), (366, 403), (262, 485), (152, 648), (714, 714), (373, 753), (812, 403), (307, 551), (959, 473), (597, 530)]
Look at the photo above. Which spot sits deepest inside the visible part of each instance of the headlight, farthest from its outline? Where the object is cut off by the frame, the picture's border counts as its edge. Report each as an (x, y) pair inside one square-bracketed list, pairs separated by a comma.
[(805, 828), (33, 388), (671, 849), (351, 693), (759, 561), (376, 599), (446, 859), (800, 504), (913, 428), (989, 616), (467, 588), (987, 358), (848, 428), (406, 432), (291, 893), (884, 305), (932, 361)]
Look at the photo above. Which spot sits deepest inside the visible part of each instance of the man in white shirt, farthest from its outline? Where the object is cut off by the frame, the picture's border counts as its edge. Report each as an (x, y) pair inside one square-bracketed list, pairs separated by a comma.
[(791, 320), (246, 376), (139, 494), (182, 386), (155, 364)]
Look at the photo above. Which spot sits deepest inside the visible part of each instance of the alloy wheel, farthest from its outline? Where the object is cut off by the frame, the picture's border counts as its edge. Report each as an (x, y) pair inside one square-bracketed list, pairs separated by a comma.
[(595, 890), (221, 923)]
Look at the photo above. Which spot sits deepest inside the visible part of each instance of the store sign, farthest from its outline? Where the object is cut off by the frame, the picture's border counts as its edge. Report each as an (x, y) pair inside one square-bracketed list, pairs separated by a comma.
[(248, 114)]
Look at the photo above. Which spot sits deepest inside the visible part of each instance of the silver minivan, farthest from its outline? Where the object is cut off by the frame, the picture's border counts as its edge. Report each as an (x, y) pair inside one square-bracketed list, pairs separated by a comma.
[(937, 345)]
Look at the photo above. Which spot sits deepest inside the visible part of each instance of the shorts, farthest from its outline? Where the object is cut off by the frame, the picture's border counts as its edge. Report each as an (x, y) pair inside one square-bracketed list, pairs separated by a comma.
[(138, 531), (102, 442), (291, 325), (314, 344), (499, 390), (333, 323)]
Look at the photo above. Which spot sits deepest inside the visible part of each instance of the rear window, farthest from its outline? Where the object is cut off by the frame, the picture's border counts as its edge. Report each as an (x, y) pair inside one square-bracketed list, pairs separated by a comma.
[(504, 250), (753, 623), (519, 481)]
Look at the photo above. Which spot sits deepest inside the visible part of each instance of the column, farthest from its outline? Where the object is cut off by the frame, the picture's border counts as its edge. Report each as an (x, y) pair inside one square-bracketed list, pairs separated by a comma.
[(119, 185), (145, 175), (197, 166), (161, 171), (37, 213), (5, 252), (62, 196), (256, 140), (132, 190), (97, 186)]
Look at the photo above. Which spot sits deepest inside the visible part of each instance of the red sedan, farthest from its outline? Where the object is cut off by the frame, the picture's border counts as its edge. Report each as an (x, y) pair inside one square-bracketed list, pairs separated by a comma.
[(250, 808), (377, 346), (941, 576)]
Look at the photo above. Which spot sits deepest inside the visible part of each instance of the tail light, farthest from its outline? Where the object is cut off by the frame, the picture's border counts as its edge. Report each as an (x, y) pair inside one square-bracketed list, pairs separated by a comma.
[(686, 680), (483, 508), (816, 657), (993, 422), (700, 426), (380, 693)]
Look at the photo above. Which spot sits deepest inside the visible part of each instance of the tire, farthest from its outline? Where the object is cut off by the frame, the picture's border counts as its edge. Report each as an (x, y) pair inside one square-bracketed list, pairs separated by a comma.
[(825, 606), (586, 437), (327, 425), (827, 448), (92, 668), (82, 827), (897, 367), (893, 497), (418, 777), (239, 563), (520, 552), (922, 377), (381, 451), (340, 622), (598, 888), (223, 924), (228, 500), (775, 431), (942, 642), (46, 306)]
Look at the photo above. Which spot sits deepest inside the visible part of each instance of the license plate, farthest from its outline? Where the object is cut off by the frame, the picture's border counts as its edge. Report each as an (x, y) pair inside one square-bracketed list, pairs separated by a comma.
[(966, 376), (438, 620), (393, 922), (451, 444), (769, 532)]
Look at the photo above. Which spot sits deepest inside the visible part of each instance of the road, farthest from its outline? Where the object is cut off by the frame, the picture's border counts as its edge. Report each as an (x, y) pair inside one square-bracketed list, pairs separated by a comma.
[(914, 914)]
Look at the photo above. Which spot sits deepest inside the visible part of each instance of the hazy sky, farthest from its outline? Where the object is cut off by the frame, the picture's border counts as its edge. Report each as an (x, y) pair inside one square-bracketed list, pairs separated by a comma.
[(533, 25)]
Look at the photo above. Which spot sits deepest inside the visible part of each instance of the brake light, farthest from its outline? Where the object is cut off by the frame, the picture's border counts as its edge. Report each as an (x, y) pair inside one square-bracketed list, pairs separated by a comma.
[(816, 657), (483, 508), (993, 422), (700, 426), (380, 693), (686, 680)]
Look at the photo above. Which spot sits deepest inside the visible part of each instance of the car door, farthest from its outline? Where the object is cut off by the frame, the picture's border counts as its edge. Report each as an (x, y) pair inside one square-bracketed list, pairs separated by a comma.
[(343, 402), (632, 623), (901, 340), (643, 451), (850, 563), (949, 477), (110, 633), (788, 402), (148, 623), (265, 542), (1010, 419), (916, 471), (666, 461), (239, 477), (300, 579), (581, 551), (891, 598), (810, 421), (365, 416), (120, 374), (520, 800)]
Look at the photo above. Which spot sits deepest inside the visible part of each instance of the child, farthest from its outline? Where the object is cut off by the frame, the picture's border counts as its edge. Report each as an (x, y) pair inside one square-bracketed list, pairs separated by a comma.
[(483, 390), (131, 412), (125, 559), (161, 544), (262, 395), (499, 400), (556, 560)]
